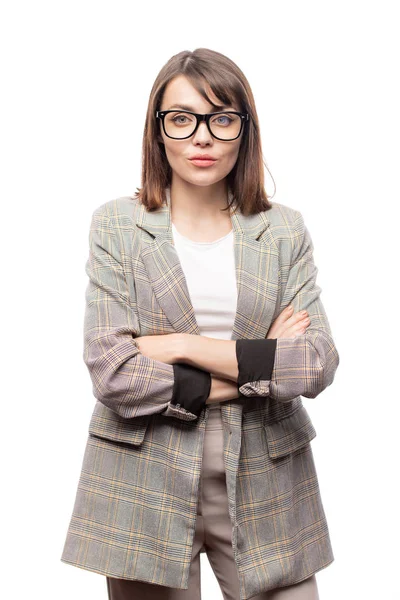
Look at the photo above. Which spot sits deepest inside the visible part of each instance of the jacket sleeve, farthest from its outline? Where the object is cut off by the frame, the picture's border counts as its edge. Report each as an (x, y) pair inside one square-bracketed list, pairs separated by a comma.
[(124, 380), (304, 365)]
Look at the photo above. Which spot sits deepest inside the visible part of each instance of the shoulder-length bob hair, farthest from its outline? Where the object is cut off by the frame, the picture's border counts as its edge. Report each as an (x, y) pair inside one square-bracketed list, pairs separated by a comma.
[(204, 67)]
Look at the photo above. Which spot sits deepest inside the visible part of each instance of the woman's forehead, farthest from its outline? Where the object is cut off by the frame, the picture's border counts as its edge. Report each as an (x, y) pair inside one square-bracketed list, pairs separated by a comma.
[(182, 94)]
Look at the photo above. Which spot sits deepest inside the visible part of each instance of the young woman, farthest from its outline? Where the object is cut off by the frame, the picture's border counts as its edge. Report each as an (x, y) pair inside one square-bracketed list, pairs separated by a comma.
[(203, 328)]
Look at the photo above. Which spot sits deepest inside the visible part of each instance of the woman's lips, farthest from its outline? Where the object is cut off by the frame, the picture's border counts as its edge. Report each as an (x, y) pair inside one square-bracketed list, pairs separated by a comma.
[(202, 162)]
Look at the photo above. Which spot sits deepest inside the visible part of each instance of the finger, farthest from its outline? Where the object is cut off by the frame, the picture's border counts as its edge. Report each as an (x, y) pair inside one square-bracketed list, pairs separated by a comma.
[(287, 317), (284, 315), (283, 318), (279, 327), (295, 323), (294, 320), (298, 328)]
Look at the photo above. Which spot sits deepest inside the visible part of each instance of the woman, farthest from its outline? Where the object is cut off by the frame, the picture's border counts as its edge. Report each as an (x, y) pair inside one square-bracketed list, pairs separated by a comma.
[(203, 328)]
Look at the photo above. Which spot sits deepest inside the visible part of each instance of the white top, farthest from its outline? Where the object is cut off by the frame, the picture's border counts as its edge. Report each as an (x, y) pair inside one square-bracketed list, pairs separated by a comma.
[(209, 269)]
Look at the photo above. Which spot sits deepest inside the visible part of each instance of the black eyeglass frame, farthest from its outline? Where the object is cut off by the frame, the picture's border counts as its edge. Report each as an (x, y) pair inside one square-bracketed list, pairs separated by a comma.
[(160, 114)]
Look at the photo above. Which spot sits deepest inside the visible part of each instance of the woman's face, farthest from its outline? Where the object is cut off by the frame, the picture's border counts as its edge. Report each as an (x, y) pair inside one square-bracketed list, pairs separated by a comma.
[(179, 152)]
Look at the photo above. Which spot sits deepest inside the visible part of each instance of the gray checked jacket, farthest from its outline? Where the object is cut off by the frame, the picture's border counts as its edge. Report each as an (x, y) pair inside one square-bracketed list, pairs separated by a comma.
[(135, 509)]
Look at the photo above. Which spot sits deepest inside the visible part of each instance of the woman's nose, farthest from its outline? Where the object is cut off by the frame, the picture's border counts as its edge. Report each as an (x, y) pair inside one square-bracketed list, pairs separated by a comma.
[(202, 132)]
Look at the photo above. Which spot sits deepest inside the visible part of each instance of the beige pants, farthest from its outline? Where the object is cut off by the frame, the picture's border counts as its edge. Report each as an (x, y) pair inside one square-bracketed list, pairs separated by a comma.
[(213, 536)]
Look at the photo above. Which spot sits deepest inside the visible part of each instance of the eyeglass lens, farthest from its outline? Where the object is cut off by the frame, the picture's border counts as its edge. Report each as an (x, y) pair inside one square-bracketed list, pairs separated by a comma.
[(181, 125)]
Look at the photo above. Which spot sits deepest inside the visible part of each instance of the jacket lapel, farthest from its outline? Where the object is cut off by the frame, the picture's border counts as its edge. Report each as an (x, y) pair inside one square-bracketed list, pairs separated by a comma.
[(256, 265)]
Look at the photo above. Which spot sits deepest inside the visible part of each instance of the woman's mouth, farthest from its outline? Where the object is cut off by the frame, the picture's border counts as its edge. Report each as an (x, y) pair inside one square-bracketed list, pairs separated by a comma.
[(202, 162)]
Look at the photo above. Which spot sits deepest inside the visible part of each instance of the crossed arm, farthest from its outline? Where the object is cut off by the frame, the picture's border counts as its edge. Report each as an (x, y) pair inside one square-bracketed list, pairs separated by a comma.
[(227, 363), (218, 357), (133, 380), (281, 366), (213, 355)]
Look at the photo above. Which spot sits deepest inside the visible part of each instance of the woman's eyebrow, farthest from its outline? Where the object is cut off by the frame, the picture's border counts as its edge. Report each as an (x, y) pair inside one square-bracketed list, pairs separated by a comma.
[(191, 109)]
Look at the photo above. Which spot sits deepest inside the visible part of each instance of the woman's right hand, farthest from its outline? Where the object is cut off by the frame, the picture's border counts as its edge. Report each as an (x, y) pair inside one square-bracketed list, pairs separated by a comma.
[(289, 325)]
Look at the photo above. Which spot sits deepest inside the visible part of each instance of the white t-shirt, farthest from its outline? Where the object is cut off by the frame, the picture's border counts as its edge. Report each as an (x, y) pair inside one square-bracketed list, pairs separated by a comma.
[(209, 269)]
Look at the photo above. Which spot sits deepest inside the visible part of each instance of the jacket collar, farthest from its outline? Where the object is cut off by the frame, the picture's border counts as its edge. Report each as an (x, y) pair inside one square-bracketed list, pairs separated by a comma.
[(256, 266)]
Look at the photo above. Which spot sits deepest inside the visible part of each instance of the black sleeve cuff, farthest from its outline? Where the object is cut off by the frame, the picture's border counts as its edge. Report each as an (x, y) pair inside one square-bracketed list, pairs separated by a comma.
[(255, 359), (191, 387)]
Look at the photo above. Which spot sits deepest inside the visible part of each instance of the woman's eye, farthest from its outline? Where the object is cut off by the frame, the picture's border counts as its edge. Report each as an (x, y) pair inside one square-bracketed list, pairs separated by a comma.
[(225, 120), (180, 119)]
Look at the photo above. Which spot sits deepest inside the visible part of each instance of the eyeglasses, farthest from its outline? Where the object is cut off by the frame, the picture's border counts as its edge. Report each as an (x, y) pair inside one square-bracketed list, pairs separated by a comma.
[(182, 124)]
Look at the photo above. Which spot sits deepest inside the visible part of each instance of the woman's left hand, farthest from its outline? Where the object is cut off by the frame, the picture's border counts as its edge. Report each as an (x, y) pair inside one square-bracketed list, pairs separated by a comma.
[(165, 348)]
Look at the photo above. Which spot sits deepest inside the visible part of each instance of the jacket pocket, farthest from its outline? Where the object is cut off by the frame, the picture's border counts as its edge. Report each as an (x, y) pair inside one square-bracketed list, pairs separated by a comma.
[(107, 424), (289, 434)]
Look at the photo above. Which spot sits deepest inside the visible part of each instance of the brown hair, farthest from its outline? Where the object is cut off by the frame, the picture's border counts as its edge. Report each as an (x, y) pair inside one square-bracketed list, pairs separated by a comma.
[(228, 83)]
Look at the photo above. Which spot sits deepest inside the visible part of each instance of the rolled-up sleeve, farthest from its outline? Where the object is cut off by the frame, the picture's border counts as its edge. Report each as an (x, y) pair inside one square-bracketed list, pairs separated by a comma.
[(192, 387), (124, 380), (306, 364)]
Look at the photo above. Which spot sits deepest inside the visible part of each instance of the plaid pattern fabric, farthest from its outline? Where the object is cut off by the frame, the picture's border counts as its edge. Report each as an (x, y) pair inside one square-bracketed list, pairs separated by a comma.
[(304, 365), (135, 509)]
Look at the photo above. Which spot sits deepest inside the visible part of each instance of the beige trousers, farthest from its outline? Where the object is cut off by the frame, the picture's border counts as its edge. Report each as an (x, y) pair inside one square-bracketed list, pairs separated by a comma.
[(212, 536)]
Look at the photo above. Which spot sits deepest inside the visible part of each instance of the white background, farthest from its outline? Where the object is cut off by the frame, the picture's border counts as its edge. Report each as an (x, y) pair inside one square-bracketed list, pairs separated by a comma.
[(76, 78)]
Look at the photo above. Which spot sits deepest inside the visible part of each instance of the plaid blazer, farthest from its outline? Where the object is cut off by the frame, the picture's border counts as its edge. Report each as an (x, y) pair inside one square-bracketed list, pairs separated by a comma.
[(136, 503)]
